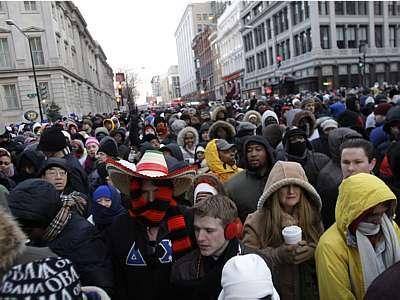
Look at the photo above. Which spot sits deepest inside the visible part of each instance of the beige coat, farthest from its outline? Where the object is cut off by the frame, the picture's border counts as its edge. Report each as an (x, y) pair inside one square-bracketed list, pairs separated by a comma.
[(293, 281)]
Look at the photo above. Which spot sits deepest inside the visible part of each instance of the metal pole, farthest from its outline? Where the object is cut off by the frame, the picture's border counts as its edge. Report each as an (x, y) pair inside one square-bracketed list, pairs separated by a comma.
[(364, 66), (36, 84)]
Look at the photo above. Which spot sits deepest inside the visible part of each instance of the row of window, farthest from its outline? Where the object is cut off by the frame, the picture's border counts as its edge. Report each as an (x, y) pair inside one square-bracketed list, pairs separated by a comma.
[(248, 42), (29, 6), (352, 36), (300, 11), (283, 49), (250, 64), (9, 92), (5, 54), (359, 8), (302, 42)]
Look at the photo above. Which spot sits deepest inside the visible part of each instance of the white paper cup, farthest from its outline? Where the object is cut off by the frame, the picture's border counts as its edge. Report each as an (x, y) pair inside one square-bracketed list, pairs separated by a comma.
[(291, 234)]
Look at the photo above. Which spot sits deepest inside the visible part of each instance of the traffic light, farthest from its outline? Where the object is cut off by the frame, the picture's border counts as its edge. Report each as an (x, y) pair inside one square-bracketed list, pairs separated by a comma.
[(43, 92), (360, 62), (278, 61)]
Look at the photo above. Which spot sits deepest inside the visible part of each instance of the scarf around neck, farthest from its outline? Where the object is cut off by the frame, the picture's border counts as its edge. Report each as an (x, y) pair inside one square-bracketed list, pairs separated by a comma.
[(164, 207), (368, 256)]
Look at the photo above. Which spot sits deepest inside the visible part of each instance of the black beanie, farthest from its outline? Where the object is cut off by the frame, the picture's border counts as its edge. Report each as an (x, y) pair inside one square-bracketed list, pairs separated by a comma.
[(109, 147), (52, 140)]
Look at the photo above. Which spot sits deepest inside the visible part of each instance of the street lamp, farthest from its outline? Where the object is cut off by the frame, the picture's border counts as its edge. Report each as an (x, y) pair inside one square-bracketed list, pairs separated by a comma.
[(10, 22)]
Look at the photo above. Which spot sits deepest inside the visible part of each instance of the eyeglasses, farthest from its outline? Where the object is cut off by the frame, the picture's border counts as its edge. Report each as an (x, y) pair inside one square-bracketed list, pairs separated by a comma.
[(60, 173), (5, 163)]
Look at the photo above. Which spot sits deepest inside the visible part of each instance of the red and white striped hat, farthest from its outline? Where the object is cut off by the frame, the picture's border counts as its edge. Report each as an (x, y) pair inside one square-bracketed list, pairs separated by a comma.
[(152, 166)]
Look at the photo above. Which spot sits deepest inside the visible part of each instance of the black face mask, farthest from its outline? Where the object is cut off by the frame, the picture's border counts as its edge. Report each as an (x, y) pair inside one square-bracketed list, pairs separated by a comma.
[(297, 148)]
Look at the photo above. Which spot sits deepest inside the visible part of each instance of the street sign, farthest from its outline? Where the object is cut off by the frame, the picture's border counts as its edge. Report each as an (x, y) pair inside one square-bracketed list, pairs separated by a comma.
[(31, 115), (31, 95)]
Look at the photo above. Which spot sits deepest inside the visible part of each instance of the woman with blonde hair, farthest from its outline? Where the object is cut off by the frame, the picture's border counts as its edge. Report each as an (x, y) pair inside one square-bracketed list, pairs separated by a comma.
[(288, 200)]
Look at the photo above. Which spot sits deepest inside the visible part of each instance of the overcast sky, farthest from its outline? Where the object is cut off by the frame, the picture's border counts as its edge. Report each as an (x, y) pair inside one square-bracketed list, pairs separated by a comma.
[(135, 34)]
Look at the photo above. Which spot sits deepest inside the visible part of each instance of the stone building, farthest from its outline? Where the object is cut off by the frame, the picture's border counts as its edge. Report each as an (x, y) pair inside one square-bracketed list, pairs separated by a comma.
[(71, 67)]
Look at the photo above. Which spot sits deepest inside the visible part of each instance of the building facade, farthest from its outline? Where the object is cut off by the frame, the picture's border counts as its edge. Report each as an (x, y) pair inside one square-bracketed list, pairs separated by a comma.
[(170, 86), (230, 46), (196, 17), (317, 43), (71, 67), (155, 86), (204, 62)]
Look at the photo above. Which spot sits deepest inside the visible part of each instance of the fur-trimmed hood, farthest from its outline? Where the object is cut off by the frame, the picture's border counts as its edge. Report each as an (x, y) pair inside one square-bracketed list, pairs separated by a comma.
[(12, 240), (215, 112), (250, 113), (285, 173), (212, 132), (181, 136), (304, 114), (266, 114)]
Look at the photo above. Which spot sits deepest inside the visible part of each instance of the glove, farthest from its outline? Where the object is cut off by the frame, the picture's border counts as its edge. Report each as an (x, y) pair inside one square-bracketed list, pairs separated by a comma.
[(303, 252), (286, 253)]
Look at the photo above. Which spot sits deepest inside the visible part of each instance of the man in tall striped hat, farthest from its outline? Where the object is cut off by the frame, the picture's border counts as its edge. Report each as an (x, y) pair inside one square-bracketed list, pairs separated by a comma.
[(155, 231)]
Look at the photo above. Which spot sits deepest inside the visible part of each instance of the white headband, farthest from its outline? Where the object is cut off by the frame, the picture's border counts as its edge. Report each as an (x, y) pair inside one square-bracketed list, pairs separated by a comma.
[(204, 188)]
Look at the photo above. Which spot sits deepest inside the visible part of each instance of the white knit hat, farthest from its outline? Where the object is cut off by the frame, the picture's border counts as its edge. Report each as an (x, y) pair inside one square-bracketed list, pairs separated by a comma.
[(246, 277), (330, 123), (204, 188)]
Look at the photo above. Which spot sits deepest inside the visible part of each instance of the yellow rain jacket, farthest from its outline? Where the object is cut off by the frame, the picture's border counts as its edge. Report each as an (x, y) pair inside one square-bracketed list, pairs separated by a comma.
[(216, 166), (339, 267)]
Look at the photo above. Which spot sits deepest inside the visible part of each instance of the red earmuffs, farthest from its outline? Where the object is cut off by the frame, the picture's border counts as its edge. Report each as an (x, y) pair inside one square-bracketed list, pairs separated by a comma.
[(234, 229)]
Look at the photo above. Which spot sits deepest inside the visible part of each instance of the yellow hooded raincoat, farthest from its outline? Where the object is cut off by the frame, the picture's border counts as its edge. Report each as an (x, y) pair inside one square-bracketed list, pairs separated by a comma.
[(339, 267), (216, 166)]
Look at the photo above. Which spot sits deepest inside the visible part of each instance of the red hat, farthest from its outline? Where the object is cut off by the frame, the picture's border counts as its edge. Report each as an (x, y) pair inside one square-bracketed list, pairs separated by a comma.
[(382, 109)]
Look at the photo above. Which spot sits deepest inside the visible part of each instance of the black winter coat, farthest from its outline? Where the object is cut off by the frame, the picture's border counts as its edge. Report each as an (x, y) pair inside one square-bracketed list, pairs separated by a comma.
[(81, 243), (197, 277), (139, 271), (77, 175)]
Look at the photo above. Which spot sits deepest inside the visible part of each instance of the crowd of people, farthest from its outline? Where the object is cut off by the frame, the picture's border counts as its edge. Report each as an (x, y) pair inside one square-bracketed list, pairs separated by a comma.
[(291, 197)]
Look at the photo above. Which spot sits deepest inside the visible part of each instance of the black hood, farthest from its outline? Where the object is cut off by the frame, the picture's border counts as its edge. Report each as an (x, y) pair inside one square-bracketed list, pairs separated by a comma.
[(262, 141), (34, 201), (175, 151)]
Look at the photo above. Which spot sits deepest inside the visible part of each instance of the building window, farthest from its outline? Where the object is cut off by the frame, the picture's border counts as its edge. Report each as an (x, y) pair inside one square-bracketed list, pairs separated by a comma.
[(30, 5), (350, 7), (378, 8), (392, 36), (259, 34), (246, 19), (325, 37), (10, 95), (339, 8), (285, 19), (340, 37), (306, 9), (269, 35), (5, 61), (250, 64), (258, 9), (394, 8), (351, 37), (363, 34), (296, 44), (1, 6), (323, 8), (362, 8), (287, 43), (378, 36), (205, 17), (37, 50), (309, 41), (271, 56), (199, 27), (198, 17)]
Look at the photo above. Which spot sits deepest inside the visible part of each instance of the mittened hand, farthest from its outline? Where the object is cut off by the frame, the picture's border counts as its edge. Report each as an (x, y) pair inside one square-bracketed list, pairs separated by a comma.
[(303, 252), (287, 253)]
